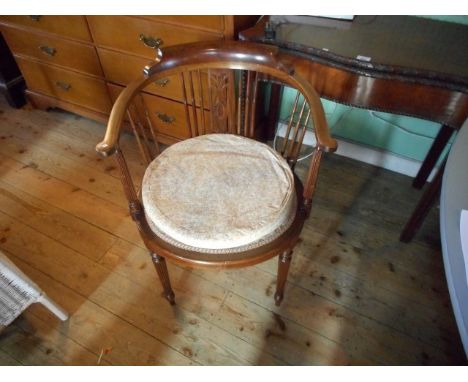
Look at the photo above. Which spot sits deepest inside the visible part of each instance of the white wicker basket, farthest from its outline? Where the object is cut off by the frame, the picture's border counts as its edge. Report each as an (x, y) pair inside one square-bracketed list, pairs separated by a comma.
[(17, 292)]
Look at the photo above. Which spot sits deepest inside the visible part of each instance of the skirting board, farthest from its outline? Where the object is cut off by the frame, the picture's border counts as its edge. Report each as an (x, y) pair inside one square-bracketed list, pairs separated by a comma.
[(366, 154)]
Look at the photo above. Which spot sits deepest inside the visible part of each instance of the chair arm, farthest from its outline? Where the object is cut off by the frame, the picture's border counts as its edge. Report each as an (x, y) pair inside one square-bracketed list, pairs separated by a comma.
[(108, 145), (324, 140), (322, 133)]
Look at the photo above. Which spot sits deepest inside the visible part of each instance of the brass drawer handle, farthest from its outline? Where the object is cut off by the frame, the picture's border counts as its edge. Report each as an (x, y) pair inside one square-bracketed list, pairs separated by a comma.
[(165, 118), (63, 85), (150, 41), (162, 82), (35, 18), (48, 50)]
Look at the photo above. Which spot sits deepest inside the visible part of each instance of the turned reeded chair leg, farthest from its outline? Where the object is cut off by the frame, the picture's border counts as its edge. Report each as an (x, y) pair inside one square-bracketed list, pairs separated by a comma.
[(160, 265), (284, 260)]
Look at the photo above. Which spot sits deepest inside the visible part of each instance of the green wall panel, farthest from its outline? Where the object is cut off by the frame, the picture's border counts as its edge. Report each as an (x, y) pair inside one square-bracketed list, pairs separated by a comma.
[(401, 135), (451, 19)]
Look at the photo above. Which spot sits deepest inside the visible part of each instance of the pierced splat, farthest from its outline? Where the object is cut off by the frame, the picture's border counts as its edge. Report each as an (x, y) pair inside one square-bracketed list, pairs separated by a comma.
[(220, 90)]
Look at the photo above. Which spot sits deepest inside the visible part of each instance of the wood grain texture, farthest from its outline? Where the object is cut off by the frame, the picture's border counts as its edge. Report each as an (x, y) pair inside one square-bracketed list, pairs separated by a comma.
[(65, 85), (210, 23), (74, 27), (52, 50), (122, 33), (44, 102), (354, 295)]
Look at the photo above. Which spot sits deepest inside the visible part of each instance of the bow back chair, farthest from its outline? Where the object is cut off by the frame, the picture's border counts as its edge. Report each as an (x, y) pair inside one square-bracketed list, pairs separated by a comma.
[(219, 198)]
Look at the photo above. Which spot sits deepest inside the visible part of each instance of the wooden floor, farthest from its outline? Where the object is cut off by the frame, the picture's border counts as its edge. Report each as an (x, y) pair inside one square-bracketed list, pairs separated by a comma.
[(355, 294)]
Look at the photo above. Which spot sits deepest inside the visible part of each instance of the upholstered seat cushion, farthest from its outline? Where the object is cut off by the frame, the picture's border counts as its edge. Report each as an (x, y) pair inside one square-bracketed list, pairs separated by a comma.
[(219, 192)]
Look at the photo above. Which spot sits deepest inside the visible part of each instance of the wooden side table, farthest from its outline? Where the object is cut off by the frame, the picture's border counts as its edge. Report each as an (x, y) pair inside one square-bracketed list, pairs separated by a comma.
[(397, 64)]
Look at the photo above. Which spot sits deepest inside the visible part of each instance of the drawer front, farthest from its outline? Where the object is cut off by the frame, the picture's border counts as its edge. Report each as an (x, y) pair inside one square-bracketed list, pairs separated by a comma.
[(213, 23), (123, 33), (65, 85), (123, 69), (69, 26), (53, 50), (167, 117)]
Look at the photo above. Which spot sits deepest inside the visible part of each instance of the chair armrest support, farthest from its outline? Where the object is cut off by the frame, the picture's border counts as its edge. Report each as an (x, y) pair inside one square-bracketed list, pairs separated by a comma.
[(109, 144), (325, 141)]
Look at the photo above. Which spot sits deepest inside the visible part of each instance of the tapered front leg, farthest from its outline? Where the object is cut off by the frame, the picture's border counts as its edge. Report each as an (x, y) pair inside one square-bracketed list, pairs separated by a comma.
[(284, 260), (160, 265)]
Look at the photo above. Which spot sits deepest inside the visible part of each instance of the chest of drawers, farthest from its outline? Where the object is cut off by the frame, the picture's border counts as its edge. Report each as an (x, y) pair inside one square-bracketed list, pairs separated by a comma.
[(81, 63)]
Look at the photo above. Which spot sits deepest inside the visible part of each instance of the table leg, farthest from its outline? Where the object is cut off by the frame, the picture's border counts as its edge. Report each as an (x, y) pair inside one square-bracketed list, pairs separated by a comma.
[(432, 156), (273, 111), (423, 207)]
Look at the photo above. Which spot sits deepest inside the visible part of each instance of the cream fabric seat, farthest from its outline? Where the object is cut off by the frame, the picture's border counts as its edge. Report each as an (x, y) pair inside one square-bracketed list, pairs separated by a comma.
[(219, 193)]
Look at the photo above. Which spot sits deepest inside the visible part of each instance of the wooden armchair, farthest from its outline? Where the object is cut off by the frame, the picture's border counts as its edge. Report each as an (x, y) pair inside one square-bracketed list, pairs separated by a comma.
[(220, 198)]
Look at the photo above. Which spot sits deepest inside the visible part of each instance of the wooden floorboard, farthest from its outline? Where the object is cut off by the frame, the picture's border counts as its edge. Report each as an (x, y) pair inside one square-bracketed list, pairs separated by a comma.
[(355, 294), (7, 360)]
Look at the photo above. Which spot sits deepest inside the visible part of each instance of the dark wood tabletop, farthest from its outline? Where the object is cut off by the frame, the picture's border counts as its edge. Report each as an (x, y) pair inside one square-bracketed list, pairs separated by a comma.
[(398, 64), (405, 45)]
